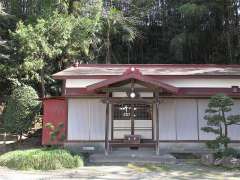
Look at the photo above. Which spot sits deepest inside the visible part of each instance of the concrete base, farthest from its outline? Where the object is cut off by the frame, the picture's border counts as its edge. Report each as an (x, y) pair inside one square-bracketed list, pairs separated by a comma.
[(132, 156), (165, 147)]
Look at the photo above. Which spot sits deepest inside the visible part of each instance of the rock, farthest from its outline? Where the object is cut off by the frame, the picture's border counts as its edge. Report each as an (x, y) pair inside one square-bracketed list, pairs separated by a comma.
[(218, 161), (207, 159), (230, 162)]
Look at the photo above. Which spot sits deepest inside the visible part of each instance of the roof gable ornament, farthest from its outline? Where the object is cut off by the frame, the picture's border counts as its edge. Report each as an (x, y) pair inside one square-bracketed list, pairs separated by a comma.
[(133, 73), (132, 70)]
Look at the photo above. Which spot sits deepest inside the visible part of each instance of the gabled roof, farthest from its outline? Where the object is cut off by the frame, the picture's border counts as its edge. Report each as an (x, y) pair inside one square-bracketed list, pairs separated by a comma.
[(84, 70), (132, 73)]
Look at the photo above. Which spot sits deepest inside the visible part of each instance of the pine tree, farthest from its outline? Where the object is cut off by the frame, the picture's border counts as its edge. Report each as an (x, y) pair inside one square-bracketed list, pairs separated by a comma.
[(218, 121)]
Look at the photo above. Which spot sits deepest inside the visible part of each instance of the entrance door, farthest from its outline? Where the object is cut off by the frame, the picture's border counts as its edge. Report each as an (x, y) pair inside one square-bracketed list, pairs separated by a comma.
[(134, 119)]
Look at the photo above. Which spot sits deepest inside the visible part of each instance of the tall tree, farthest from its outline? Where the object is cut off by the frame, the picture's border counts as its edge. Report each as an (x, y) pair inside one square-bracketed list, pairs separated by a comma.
[(55, 40), (116, 24)]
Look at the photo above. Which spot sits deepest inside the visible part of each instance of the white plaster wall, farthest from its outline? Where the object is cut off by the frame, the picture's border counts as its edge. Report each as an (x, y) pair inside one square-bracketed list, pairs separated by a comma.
[(97, 119), (179, 119), (78, 119), (202, 106), (167, 123), (186, 119), (234, 130), (86, 119), (211, 83), (81, 83)]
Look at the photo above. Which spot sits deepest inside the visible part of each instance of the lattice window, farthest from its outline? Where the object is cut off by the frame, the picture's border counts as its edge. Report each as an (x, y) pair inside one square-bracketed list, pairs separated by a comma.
[(143, 112), (122, 111)]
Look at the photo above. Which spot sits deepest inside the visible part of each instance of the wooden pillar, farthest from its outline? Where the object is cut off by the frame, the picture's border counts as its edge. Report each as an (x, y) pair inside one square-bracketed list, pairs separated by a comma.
[(157, 123), (107, 126)]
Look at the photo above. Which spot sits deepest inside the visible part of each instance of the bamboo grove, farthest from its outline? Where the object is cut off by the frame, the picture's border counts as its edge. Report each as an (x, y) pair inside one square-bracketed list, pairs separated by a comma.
[(112, 31)]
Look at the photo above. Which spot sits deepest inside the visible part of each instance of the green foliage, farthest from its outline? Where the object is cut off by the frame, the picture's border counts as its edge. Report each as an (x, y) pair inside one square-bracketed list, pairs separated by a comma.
[(40, 159), (227, 153), (192, 9), (53, 34), (218, 121), (53, 42), (21, 110), (58, 35), (115, 24), (56, 132)]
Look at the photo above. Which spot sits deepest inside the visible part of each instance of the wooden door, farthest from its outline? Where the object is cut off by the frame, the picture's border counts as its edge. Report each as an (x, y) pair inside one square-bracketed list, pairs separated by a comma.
[(134, 119)]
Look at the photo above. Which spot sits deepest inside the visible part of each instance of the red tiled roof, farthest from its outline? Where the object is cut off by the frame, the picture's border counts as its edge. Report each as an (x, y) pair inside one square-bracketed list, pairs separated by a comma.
[(150, 69)]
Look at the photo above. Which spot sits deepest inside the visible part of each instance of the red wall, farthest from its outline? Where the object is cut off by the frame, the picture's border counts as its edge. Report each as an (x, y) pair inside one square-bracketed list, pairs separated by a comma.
[(55, 112)]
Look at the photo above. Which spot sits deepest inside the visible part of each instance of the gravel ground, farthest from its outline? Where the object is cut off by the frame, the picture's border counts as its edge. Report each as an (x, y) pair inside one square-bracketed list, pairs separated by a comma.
[(180, 171)]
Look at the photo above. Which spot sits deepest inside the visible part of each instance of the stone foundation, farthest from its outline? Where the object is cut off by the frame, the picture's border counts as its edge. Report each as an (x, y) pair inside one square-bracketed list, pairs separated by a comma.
[(165, 147)]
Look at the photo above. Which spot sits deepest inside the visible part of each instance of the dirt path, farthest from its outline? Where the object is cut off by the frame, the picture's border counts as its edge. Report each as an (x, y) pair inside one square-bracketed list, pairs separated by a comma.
[(182, 171)]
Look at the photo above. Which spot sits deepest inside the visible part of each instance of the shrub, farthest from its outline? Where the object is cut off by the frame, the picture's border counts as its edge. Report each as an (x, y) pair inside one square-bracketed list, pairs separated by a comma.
[(21, 110), (227, 153), (40, 159)]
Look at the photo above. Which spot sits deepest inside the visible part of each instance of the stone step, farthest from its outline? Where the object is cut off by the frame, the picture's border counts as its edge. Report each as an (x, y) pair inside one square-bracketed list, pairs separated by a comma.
[(143, 158)]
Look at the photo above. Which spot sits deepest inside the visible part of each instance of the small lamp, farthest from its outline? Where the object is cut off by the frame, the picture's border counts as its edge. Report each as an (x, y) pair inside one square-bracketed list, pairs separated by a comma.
[(132, 94)]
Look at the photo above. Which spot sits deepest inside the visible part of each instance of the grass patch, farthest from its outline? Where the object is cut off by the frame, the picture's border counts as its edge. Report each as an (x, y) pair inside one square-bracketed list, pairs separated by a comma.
[(149, 167), (40, 159)]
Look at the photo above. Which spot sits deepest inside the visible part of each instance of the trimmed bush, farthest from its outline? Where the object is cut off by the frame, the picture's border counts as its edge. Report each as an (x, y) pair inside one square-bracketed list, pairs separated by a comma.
[(40, 159), (21, 110)]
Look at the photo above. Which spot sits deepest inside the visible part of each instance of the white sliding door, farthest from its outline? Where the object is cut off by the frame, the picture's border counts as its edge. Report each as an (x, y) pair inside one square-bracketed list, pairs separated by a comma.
[(86, 119)]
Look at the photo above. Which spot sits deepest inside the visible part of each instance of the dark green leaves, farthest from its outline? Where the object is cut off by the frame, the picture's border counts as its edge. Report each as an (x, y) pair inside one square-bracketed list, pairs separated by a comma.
[(21, 110), (218, 121)]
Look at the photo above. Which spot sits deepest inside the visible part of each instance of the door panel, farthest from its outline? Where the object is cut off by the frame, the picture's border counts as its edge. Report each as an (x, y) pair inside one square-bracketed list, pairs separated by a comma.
[(143, 121), (135, 119)]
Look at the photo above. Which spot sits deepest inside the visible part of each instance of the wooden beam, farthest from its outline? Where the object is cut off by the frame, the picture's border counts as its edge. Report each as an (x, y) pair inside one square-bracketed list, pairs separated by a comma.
[(126, 89), (129, 101), (107, 126), (157, 122)]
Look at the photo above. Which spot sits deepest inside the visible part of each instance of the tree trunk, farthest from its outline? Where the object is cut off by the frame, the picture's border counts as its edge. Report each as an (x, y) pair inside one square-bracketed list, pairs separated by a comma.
[(226, 135), (42, 83), (108, 55), (225, 128), (227, 29), (70, 6)]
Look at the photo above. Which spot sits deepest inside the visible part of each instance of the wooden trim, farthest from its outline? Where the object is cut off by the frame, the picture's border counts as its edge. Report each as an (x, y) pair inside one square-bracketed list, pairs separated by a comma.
[(107, 125), (112, 118), (130, 101), (157, 123), (160, 141), (198, 123), (153, 123), (124, 89), (192, 141), (66, 130), (158, 65), (84, 141), (192, 97), (183, 92), (132, 119), (63, 89), (64, 77)]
